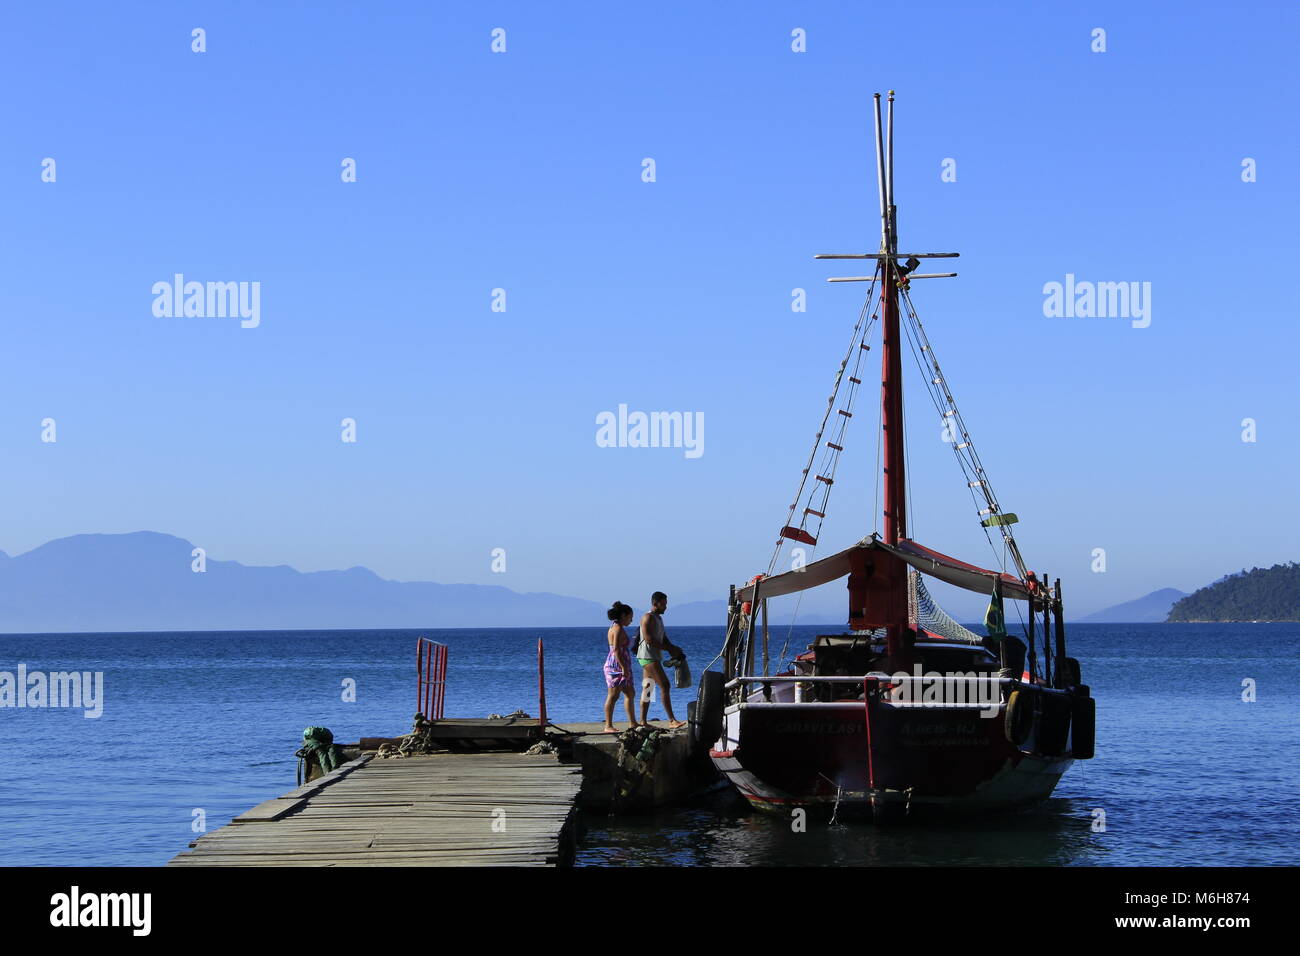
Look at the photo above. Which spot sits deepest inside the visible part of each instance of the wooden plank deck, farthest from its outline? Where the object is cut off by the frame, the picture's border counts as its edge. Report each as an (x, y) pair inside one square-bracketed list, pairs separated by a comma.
[(452, 809)]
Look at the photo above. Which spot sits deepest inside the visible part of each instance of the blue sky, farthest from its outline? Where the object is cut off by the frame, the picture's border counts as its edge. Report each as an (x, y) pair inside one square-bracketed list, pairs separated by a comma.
[(522, 170)]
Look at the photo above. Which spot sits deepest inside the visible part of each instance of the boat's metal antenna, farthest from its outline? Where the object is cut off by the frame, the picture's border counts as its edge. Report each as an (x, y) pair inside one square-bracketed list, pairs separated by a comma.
[(880, 178)]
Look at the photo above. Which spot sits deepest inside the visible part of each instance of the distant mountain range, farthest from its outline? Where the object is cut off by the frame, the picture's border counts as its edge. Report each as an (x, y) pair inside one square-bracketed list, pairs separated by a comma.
[(1151, 609), (143, 581)]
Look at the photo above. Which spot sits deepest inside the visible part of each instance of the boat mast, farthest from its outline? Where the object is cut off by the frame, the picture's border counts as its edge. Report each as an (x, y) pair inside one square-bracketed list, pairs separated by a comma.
[(891, 362), (891, 370)]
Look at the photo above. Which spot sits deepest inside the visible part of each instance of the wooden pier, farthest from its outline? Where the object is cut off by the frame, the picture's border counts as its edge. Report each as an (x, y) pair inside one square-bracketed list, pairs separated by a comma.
[(442, 809), (496, 791)]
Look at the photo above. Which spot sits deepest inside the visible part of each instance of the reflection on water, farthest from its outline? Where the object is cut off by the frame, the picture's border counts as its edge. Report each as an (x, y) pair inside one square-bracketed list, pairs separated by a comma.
[(724, 832)]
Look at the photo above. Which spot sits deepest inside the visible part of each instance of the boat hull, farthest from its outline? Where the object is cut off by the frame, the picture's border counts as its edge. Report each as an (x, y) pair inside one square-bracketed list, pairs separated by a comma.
[(919, 761)]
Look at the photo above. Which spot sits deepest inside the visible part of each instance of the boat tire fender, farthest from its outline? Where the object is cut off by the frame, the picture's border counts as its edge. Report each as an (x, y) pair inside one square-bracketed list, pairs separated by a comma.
[(1070, 675), (1054, 727), (1020, 717), (1084, 720), (707, 727)]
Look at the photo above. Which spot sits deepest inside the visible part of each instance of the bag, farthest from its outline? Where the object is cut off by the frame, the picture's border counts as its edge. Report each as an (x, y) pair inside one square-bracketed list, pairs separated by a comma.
[(683, 676), (636, 643)]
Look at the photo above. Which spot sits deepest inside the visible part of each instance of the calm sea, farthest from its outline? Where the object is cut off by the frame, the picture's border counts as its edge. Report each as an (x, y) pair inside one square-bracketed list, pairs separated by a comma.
[(203, 726)]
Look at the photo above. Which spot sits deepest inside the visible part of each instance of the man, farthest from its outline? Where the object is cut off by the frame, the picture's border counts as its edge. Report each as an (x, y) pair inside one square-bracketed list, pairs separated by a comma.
[(653, 643)]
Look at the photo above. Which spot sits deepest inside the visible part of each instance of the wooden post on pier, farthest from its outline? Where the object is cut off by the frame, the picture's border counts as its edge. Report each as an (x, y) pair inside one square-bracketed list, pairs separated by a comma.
[(541, 685)]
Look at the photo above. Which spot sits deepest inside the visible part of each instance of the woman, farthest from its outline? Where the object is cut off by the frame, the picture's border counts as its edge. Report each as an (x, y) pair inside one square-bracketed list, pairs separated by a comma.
[(618, 665)]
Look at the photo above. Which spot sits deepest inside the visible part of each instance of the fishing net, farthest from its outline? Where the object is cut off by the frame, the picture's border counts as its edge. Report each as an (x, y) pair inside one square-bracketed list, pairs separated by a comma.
[(924, 613)]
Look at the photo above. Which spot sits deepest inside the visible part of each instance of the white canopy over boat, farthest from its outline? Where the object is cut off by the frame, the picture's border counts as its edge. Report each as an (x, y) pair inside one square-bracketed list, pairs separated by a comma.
[(925, 560)]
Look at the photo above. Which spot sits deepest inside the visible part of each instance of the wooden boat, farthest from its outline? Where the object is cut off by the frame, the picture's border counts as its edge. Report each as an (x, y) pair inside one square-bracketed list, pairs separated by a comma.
[(907, 712)]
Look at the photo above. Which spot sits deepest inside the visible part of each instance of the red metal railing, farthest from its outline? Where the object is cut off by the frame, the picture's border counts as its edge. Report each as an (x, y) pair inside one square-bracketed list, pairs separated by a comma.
[(431, 665)]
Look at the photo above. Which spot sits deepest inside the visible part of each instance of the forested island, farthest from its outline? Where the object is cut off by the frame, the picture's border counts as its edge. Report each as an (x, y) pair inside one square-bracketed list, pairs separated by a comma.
[(1260, 594)]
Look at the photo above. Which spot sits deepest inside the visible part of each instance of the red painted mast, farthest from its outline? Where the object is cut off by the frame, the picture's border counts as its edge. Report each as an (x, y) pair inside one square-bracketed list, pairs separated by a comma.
[(891, 409), (891, 379)]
